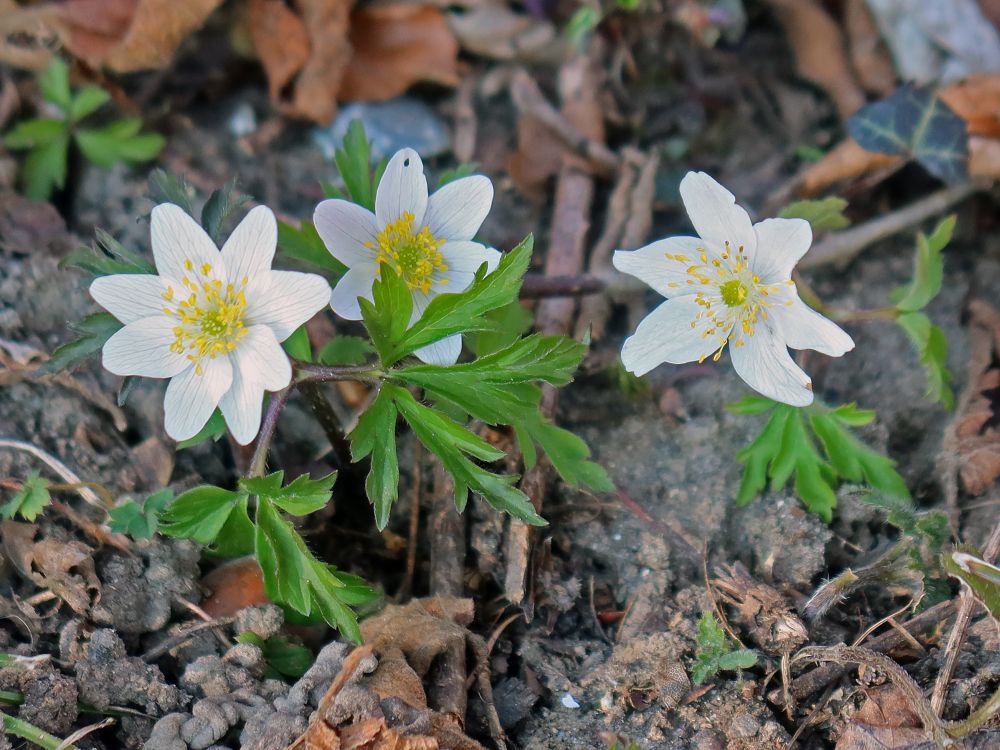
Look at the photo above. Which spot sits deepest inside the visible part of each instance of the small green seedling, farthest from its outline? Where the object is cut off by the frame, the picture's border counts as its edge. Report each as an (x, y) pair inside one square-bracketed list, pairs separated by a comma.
[(48, 139), (30, 500), (715, 653)]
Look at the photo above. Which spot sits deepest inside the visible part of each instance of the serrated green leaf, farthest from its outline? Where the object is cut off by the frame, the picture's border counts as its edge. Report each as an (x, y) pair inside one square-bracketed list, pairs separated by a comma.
[(388, 314), (300, 497), (345, 350), (200, 513), (568, 454), (354, 162), (297, 345), (852, 416), (928, 269), (981, 577), (107, 257), (236, 538), (739, 659), (86, 101), (220, 207), (139, 520), (30, 500), (214, 429), (37, 132), (304, 244), (758, 455), (915, 122), (375, 435), (54, 84), (932, 348), (118, 141), (96, 329), (504, 326), (823, 214), (751, 405), (44, 169), (166, 187)]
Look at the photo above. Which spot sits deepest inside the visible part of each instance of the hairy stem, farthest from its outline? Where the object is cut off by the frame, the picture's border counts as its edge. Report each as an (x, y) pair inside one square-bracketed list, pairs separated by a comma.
[(258, 464), (310, 373)]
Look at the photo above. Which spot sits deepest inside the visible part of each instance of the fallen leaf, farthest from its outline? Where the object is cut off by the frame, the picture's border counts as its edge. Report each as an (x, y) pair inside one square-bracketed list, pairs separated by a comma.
[(316, 89), (846, 161), (977, 101), (868, 53), (129, 35), (396, 46), (885, 721), (495, 31), (984, 158), (281, 41)]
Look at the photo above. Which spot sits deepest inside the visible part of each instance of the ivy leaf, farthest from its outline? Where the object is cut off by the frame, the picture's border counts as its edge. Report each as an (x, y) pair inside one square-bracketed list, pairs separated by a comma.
[(54, 84), (96, 329), (214, 429), (200, 513), (915, 122), (375, 435), (283, 658), (932, 348), (107, 257), (300, 498), (305, 245), (981, 577), (166, 187), (139, 520), (354, 162), (452, 443), (295, 578), (220, 206), (345, 350), (823, 214), (928, 269), (30, 500)]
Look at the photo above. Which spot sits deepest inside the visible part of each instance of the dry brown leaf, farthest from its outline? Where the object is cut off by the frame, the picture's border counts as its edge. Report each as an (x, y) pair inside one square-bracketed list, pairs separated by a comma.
[(396, 46), (885, 721), (844, 162), (317, 86), (130, 35), (977, 101), (869, 55), (984, 158), (818, 46), (281, 41), (495, 31)]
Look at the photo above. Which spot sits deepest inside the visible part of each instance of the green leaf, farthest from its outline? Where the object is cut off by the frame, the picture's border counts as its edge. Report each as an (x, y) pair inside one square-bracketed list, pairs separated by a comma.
[(236, 538), (928, 269), (456, 173), (452, 443), (300, 498), (345, 350), (852, 416), (30, 500), (37, 132), (107, 257), (854, 460), (200, 513), (823, 214), (45, 168), (118, 141), (297, 345), (139, 520), (305, 245), (295, 578), (283, 658), (759, 454), (584, 20), (214, 429), (141, 148), (54, 84), (980, 576), (96, 329), (448, 314), (714, 652), (503, 327), (220, 207), (915, 122), (388, 315), (87, 100), (568, 454), (739, 659), (932, 348), (354, 162), (166, 187), (375, 435), (751, 405)]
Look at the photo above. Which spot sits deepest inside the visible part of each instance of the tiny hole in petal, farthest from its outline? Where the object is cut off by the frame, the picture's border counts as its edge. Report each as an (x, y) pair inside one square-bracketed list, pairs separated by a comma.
[(406, 162)]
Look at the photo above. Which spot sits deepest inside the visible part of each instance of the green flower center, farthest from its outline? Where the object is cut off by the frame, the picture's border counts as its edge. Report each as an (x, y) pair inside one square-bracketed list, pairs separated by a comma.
[(414, 255), (734, 293)]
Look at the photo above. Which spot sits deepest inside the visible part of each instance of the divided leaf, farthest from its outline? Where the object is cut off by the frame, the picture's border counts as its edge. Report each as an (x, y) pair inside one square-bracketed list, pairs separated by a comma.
[(300, 498), (200, 513), (220, 206), (304, 244), (107, 257), (981, 577), (928, 269), (96, 329), (54, 84), (375, 435), (30, 500), (823, 214), (354, 163), (715, 654), (345, 350), (139, 520), (932, 348)]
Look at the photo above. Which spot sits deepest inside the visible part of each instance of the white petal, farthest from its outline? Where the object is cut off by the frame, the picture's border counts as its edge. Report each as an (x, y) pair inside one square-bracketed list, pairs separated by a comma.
[(284, 300), (345, 228), (463, 259), (259, 363), (764, 363), (457, 210), (130, 296), (191, 398), (781, 243), (403, 188), (804, 328), (178, 239), (443, 352), (668, 276), (666, 335), (357, 282), (143, 348), (714, 213), (250, 248)]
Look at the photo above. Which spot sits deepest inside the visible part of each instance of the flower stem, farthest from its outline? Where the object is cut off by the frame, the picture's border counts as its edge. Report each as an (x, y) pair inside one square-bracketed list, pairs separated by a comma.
[(324, 373), (30, 732), (328, 420), (258, 464)]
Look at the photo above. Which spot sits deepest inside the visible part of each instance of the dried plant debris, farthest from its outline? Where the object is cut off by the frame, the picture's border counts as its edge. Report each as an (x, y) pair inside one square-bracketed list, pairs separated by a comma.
[(772, 624)]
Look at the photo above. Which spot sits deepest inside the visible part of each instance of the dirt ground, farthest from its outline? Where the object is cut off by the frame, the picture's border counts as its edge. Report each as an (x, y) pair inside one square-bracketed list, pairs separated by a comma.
[(613, 625)]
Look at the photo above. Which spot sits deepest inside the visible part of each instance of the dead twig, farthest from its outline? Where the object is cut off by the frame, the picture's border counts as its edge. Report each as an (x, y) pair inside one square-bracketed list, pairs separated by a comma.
[(446, 530), (411, 543), (538, 286), (179, 639)]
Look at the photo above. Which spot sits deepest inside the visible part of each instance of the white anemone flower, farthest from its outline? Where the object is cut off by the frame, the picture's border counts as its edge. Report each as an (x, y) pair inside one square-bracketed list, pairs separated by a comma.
[(732, 285), (210, 321), (426, 240)]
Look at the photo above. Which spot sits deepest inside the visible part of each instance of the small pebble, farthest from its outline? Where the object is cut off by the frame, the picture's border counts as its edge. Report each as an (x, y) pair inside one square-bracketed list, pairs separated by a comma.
[(569, 701)]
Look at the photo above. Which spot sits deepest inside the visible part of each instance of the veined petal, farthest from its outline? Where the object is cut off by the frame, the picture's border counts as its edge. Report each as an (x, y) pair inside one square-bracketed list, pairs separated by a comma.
[(665, 264), (457, 210), (130, 296), (241, 407), (284, 300), (715, 215), (250, 248), (666, 335), (259, 363), (403, 188), (443, 352), (463, 259), (357, 282), (191, 398), (142, 348), (781, 243), (348, 231), (764, 363), (804, 328), (179, 241)]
